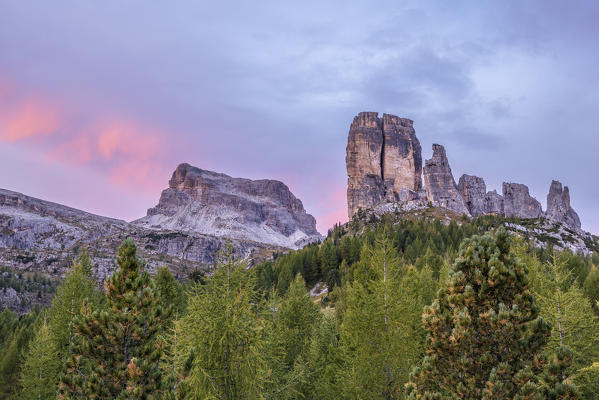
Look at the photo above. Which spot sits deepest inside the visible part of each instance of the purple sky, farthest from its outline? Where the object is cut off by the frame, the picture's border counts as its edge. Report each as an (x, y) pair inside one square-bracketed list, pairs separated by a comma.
[(100, 101)]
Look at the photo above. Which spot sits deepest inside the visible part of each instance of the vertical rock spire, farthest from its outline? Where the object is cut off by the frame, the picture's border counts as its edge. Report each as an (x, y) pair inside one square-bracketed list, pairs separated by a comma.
[(383, 156), (440, 186)]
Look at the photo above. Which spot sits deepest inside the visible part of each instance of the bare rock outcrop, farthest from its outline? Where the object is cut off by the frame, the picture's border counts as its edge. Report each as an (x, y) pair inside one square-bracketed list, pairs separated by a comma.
[(558, 206), (365, 187), (478, 200), (440, 186), (383, 156), (402, 155), (493, 204), (473, 190), (519, 203), (211, 203)]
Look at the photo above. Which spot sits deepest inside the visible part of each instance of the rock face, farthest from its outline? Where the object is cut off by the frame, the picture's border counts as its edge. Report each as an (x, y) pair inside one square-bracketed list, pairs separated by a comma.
[(493, 204), (383, 156), (384, 168), (402, 156), (478, 200), (473, 190), (42, 237), (210, 203), (519, 203), (558, 206), (440, 186)]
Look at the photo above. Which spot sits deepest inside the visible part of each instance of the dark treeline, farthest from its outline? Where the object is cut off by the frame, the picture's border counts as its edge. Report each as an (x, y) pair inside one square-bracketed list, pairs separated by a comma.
[(414, 309)]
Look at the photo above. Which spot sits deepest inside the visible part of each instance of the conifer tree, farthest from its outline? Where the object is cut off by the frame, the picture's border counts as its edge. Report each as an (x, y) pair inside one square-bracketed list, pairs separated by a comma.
[(289, 326), (116, 351), (41, 367), (325, 360), (77, 287), (170, 291), (575, 331), (222, 331), (591, 287), (380, 336), (485, 338), (555, 383)]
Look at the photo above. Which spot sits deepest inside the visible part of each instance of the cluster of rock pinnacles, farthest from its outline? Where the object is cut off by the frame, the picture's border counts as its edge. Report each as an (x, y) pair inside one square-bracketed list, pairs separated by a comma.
[(384, 165)]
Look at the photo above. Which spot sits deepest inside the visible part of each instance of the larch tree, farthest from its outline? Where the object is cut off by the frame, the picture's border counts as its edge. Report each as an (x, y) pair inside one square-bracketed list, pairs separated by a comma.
[(575, 330), (222, 330), (288, 328), (41, 367), (485, 338), (380, 336)]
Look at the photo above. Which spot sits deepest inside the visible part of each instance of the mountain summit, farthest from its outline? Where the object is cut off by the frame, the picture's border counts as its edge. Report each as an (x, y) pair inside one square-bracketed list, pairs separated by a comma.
[(206, 202)]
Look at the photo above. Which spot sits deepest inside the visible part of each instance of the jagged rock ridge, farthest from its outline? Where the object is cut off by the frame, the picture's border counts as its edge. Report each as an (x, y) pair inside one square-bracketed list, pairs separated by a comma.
[(397, 178), (206, 202)]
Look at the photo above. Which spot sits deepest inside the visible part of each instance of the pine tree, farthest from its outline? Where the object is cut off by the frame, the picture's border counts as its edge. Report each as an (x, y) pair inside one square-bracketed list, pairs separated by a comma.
[(41, 367), (484, 335), (116, 351), (555, 385), (222, 330), (170, 291)]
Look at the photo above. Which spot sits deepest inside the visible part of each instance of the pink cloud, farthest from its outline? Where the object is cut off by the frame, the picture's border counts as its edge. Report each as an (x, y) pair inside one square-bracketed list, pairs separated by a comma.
[(24, 118), (131, 153)]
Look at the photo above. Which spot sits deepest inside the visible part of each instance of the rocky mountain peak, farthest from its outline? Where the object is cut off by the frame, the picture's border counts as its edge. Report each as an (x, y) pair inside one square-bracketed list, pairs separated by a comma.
[(441, 189), (519, 203), (207, 202), (558, 206), (383, 156), (384, 167)]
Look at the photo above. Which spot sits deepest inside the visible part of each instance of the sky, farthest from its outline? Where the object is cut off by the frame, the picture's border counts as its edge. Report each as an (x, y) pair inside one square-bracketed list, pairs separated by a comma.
[(100, 101)]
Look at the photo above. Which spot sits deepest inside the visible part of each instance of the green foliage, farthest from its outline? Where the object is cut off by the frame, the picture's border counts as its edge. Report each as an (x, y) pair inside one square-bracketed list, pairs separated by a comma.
[(289, 326), (485, 337), (41, 367), (15, 342), (564, 304), (256, 333), (222, 329), (381, 335), (555, 385), (116, 352), (591, 287), (170, 291), (77, 287), (57, 334)]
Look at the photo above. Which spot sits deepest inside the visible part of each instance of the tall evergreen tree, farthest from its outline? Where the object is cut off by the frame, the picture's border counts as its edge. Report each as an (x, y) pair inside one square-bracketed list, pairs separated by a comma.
[(222, 328), (575, 330), (41, 367), (380, 335), (289, 326), (116, 351), (170, 292), (485, 338), (591, 287), (57, 332)]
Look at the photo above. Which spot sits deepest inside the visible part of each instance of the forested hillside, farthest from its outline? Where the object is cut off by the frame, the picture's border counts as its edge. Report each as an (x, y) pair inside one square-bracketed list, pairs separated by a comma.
[(413, 308)]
